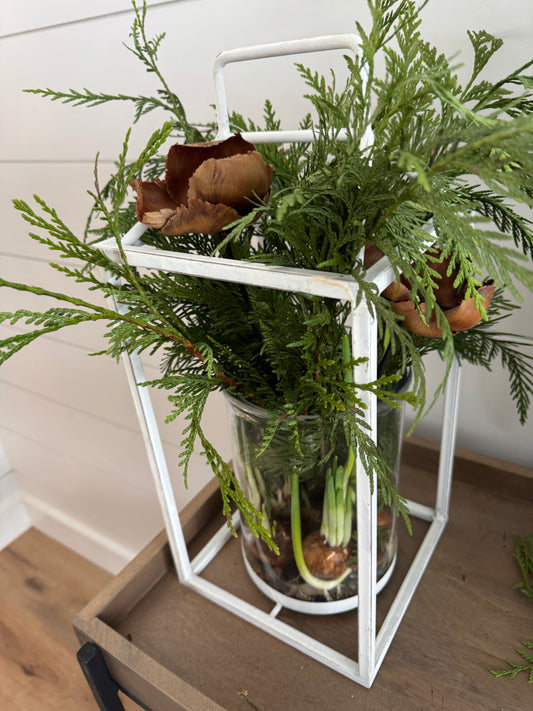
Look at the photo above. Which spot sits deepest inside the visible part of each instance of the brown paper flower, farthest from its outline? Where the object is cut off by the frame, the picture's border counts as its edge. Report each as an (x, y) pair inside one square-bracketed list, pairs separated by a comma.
[(206, 187), (460, 313)]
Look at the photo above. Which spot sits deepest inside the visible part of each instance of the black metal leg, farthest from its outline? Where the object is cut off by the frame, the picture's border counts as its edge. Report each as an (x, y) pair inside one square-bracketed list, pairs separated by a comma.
[(103, 687)]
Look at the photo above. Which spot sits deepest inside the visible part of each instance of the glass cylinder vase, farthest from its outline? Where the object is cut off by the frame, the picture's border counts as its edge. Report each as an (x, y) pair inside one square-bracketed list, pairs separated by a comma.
[(305, 493)]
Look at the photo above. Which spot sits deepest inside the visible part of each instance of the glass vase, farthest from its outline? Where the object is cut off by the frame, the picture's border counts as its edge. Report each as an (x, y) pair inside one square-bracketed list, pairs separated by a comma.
[(305, 494)]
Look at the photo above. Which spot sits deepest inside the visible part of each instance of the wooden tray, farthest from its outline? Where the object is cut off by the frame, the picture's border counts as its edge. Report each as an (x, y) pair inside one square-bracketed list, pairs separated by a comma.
[(174, 650)]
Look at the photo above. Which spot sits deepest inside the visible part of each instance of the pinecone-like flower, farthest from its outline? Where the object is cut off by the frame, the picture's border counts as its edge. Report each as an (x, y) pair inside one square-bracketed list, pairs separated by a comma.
[(460, 313), (206, 187)]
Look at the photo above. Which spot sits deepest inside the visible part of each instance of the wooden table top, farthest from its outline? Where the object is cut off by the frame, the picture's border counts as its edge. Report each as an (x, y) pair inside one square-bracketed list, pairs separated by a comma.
[(175, 650)]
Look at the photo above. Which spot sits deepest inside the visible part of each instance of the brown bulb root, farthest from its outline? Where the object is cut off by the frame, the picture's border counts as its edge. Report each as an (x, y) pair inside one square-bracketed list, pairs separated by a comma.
[(261, 551), (384, 518), (324, 561)]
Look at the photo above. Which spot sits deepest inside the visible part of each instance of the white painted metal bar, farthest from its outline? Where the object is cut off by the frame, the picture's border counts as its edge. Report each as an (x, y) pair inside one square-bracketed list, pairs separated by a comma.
[(274, 612), (282, 631), (425, 513), (303, 136), (338, 286), (132, 236), (381, 274), (405, 593), (335, 286), (158, 465), (154, 450), (439, 516), (215, 545), (278, 49), (364, 345), (324, 43), (294, 136), (449, 429)]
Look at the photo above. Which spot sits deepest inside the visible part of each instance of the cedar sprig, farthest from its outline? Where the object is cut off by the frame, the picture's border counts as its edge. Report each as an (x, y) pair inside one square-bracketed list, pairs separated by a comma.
[(514, 668), (91, 99), (146, 49), (524, 556)]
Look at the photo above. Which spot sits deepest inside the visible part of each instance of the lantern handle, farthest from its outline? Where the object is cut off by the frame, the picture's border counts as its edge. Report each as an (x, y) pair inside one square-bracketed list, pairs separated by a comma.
[(279, 49)]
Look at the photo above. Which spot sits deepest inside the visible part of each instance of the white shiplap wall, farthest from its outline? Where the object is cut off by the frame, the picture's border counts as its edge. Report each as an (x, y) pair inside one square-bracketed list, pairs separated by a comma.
[(66, 421), (13, 515)]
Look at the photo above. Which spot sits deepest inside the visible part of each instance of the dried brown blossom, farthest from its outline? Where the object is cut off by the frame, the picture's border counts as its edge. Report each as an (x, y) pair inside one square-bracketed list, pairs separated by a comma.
[(461, 314), (206, 187)]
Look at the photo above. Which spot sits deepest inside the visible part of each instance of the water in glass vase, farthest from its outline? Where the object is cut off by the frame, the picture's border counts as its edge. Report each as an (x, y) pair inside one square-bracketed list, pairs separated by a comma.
[(307, 503)]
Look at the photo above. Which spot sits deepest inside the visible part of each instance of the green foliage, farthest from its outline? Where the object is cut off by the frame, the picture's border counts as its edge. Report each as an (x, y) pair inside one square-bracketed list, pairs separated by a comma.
[(50, 321), (90, 99), (451, 157), (515, 669), (524, 556)]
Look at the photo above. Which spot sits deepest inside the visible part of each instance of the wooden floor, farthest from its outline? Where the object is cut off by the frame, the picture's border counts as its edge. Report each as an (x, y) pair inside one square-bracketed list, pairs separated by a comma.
[(42, 587)]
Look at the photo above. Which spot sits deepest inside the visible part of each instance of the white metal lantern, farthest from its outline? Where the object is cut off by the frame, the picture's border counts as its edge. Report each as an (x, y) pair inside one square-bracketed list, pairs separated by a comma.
[(372, 646)]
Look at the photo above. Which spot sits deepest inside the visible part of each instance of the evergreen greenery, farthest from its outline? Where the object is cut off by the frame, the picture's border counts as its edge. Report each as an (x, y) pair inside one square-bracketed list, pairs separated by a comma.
[(456, 157), (524, 557)]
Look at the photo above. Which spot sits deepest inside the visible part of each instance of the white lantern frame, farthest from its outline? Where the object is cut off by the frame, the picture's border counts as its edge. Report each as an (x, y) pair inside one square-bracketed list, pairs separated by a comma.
[(372, 645)]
